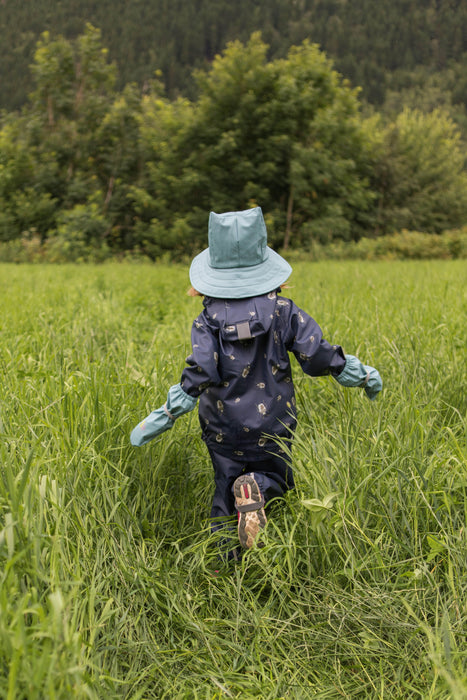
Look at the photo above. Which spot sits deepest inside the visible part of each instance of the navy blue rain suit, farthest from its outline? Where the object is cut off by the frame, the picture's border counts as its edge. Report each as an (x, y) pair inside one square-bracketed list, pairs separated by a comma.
[(240, 371)]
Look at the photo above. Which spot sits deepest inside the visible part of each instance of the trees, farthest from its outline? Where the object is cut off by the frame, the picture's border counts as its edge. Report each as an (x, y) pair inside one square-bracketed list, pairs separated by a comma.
[(73, 145), (329, 167), (97, 171), (16, 186), (419, 174), (284, 134), (367, 40)]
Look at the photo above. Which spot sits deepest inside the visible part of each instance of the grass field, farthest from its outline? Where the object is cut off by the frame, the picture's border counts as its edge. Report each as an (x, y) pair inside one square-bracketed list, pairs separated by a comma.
[(106, 579)]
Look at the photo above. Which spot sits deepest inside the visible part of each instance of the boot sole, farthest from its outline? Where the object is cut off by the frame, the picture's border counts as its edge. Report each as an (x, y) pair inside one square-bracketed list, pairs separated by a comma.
[(251, 519)]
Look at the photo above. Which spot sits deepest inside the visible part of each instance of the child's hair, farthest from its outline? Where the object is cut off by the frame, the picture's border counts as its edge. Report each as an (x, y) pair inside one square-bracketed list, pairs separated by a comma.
[(192, 292)]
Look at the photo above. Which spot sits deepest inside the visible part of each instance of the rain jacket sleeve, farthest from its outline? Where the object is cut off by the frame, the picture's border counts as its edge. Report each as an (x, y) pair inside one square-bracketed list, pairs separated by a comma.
[(178, 403), (317, 357), (304, 338), (202, 365), (355, 373), (200, 373)]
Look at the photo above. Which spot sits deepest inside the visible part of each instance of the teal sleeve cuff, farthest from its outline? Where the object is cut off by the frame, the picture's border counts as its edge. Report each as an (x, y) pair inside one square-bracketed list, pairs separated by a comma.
[(355, 373), (178, 403)]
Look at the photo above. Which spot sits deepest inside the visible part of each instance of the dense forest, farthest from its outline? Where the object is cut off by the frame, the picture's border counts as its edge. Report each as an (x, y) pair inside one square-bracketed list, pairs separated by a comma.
[(123, 148), (384, 47)]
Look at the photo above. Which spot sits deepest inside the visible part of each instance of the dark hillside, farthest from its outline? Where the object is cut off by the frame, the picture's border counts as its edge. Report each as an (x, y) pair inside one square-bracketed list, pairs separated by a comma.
[(374, 44)]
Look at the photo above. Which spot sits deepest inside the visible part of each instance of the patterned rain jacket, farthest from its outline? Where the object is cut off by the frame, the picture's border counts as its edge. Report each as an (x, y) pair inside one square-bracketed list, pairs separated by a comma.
[(240, 370)]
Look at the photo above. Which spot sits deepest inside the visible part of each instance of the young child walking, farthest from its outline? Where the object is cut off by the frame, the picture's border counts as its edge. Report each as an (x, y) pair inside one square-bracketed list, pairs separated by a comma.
[(240, 371)]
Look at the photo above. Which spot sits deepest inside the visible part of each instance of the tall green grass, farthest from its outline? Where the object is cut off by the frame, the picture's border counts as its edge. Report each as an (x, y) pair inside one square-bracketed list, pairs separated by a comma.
[(106, 581)]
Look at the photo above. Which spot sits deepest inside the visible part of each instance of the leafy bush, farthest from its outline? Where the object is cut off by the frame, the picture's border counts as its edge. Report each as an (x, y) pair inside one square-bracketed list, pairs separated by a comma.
[(406, 245), (80, 236), (420, 174), (69, 245), (411, 245)]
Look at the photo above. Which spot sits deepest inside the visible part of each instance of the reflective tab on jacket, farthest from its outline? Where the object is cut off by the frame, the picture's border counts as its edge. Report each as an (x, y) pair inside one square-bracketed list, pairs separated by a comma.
[(243, 330)]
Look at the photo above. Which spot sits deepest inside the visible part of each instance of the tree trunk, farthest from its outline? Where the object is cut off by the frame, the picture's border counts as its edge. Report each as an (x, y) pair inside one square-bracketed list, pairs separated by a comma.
[(50, 111), (110, 189), (288, 225)]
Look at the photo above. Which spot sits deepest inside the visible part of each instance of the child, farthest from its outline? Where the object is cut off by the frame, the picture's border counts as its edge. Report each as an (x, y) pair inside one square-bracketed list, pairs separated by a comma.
[(240, 369)]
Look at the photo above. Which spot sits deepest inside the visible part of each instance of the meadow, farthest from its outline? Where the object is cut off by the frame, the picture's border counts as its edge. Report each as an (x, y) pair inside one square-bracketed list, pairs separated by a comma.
[(107, 566)]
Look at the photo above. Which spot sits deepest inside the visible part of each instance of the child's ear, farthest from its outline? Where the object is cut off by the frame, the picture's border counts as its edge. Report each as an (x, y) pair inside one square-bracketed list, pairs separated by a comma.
[(193, 293)]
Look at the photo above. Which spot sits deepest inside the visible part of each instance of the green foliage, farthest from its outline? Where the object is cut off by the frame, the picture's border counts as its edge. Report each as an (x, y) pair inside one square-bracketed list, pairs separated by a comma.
[(420, 176), (286, 134), (108, 586), (53, 72), (16, 169), (80, 235), (72, 150), (176, 36), (159, 245), (406, 245)]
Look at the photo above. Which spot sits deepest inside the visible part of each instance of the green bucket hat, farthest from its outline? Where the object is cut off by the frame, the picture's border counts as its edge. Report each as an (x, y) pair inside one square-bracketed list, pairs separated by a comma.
[(238, 263)]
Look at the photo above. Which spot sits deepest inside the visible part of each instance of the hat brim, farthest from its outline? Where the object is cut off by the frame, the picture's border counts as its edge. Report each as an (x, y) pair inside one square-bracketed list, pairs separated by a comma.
[(238, 282)]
